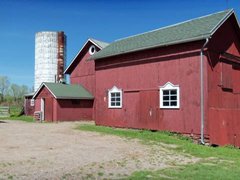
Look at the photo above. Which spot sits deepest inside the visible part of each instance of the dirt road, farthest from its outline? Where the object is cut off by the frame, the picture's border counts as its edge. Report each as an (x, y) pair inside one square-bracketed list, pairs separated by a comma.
[(58, 151)]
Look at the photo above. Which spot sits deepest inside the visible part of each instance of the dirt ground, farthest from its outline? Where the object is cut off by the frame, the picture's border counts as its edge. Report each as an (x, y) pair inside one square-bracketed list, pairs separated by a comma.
[(58, 151)]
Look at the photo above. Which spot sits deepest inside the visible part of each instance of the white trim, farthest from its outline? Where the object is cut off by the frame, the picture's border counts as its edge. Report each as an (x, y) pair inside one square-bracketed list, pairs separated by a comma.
[(222, 21), (32, 102), (114, 90), (89, 40), (169, 86), (38, 90), (42, 109)]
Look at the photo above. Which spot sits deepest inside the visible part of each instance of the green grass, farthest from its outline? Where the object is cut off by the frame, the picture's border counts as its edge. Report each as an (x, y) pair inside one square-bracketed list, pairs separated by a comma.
[(20, 118), (216, 163), (15, 115), (15, 110)]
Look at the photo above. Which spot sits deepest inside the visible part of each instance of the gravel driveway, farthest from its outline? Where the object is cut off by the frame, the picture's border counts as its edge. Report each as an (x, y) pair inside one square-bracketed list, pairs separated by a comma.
[(58, 151)]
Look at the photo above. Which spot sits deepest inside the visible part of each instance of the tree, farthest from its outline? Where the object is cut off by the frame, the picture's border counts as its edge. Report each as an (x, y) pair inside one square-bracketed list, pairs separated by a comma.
[(4, 84), (18, 92), (15, 91)]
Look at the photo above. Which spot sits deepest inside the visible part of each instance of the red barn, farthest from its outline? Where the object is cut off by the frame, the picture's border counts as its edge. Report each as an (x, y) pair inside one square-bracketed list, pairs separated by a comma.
[(182, 78), (63, 102)]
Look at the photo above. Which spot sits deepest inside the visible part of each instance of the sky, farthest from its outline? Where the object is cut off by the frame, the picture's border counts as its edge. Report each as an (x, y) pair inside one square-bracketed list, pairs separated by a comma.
[(107, 21)]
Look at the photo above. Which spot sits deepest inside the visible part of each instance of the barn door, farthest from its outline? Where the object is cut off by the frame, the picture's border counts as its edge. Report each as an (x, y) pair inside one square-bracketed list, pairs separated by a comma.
[(149, 106), (131, 108), (49, 109)]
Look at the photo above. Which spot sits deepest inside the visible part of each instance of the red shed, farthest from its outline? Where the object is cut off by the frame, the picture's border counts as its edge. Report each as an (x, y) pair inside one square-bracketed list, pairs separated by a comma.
[(63, 102), (182, 78), (81, 70), (29, 106)]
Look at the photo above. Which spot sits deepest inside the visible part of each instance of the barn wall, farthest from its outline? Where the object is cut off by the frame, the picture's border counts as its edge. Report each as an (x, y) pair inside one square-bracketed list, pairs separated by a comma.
[(140, 75), (73, 110), (84, 72), (224, 87), (28, 109)]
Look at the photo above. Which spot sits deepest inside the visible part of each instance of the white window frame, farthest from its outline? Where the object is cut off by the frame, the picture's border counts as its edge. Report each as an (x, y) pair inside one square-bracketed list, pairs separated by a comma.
[(32, 102), (114, 90), (169, 86)]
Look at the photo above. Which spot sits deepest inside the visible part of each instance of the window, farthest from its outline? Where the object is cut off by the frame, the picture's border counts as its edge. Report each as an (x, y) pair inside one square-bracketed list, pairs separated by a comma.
[(169, 96), (92, 50), (32, 102), (115, 98)]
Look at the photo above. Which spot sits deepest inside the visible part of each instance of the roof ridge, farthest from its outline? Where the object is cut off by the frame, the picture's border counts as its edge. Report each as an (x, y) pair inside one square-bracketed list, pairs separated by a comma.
[(98, 41), (176, 24), (230, 12)]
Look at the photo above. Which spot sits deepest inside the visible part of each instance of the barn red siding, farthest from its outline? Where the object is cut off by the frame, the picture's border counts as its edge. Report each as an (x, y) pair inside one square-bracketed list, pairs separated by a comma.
[(223, 87), (84, 72), (140, 75), (70, 110), (28, 109)]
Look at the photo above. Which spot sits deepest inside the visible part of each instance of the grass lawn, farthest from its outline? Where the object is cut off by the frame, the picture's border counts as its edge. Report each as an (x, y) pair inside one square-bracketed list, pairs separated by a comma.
[(15, 112), (216, 163), (20, 118)]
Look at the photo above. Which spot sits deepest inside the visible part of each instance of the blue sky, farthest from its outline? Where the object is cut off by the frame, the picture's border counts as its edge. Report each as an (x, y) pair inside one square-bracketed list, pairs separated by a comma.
[(103, 20)]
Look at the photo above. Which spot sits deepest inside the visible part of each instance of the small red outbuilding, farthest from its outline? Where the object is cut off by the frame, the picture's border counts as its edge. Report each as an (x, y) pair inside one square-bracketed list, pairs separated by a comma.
[(63, 102)]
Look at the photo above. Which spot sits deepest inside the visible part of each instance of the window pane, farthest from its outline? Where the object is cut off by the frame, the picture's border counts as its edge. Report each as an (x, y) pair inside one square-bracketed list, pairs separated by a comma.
[(173, 97), (173, 91), (165, 97), (165, 103), (174, 103), (113, 99), (113, 94), (117, 99), (112, 103), (118, 94), (117, 103), (165, 92)]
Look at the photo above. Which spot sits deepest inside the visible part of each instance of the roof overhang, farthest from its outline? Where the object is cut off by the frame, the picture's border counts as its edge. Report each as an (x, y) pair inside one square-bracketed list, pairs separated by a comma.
[(79, 52), (39, 89)]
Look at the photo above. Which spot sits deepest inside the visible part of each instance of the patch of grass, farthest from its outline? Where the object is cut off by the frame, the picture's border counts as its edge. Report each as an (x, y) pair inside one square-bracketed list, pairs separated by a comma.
[(217, 163), (193, 171), (184, 145), (20, 118), (15, 110), (100, 173)]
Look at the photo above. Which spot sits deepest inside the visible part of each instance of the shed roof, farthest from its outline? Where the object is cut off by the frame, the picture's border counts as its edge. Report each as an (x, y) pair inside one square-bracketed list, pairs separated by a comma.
[(65, 91), (192, 30)]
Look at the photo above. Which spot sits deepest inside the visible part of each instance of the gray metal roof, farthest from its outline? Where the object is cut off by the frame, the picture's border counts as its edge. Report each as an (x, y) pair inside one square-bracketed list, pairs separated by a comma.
[(192, 30)]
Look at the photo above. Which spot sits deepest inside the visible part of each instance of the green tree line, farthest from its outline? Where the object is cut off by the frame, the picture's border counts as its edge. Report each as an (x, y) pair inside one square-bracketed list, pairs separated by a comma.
[(11, 93)]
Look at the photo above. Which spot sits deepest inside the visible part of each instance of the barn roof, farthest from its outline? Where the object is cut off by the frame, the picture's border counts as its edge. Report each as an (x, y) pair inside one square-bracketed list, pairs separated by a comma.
[(65, 91), (99, 44), (192, 30)]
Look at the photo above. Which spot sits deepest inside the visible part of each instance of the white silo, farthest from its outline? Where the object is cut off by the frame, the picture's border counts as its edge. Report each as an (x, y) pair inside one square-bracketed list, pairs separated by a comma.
[(50, 48)]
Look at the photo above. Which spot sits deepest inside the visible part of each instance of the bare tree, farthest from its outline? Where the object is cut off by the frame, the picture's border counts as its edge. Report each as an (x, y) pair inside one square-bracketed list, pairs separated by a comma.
[(4, 84)]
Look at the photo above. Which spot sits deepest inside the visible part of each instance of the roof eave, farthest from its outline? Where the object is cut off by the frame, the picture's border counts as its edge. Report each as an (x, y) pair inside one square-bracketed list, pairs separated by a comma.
[(156, 46), (89, 40), (72, 98)]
